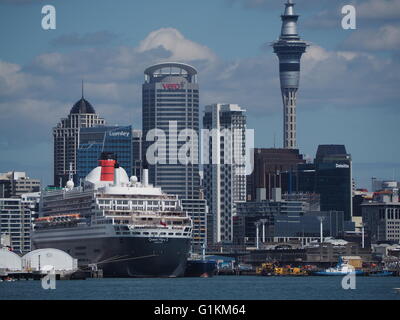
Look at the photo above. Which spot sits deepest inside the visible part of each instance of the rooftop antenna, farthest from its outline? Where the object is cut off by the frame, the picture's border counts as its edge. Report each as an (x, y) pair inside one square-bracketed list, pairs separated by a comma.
[(274, 139), (82, 88)]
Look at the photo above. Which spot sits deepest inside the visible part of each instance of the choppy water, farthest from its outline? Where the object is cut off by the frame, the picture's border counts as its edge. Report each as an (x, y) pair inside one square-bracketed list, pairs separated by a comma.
[(216, 288)]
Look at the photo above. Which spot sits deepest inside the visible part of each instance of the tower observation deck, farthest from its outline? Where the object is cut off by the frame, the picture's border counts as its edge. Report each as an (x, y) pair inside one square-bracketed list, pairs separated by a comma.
[(289, 49)]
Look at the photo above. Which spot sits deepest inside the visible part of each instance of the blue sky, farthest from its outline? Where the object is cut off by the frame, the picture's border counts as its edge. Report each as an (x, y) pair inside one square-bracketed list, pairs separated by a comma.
[(348, 89)]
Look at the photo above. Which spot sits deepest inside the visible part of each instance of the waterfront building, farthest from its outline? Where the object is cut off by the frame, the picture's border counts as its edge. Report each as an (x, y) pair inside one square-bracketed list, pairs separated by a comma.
[(332, 249), (95, 140), (289, 49), (66, 138), (381, 219), (198, 211), (224, 168), (14, 184), (260, 215), (16, 222), (282, 221)]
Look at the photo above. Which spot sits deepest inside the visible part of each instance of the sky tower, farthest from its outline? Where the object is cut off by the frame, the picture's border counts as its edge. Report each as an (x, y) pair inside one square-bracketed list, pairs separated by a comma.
[(289, 49)]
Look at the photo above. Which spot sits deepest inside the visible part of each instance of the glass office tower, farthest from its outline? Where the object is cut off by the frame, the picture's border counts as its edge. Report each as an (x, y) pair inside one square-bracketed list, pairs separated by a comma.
[(170, 125), (94, 141)]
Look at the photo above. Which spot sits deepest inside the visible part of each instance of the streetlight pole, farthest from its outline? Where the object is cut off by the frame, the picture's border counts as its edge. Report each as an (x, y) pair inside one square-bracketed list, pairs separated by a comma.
[(362, 235), (257, 231), (321, 220)]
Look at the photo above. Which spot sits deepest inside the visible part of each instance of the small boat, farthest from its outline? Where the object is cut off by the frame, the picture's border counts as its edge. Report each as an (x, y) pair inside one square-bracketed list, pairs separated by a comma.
[(8, 279), (383, 273), (341, 269), (397, 290), (200, 267)]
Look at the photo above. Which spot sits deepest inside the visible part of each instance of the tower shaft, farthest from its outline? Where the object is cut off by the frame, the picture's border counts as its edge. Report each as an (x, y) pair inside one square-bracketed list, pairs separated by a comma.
[(289, 49)]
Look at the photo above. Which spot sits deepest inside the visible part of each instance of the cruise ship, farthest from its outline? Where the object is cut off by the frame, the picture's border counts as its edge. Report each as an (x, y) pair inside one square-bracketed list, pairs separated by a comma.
[(115, 223)]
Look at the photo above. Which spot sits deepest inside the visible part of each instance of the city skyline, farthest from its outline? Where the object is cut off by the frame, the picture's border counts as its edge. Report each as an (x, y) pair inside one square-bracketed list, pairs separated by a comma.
[(40, 85)]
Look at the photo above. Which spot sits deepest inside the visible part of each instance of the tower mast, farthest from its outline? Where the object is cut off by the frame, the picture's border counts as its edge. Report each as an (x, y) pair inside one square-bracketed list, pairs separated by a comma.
[(289, 49)]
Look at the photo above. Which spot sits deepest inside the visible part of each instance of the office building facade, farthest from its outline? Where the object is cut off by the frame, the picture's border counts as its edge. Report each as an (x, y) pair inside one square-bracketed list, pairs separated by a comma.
[(66, 139), (13, 184), (170, 146), (16, 223), (95, 140), (170, 123), (333, 167), (382, 220), (224, 150), (273, 168)]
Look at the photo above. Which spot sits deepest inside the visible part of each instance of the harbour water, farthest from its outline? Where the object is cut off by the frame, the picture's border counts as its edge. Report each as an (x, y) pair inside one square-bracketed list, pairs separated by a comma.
[(215, 288)]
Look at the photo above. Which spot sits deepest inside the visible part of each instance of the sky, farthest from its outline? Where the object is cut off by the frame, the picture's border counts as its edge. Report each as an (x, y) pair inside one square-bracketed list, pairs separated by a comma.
[(349, 86)]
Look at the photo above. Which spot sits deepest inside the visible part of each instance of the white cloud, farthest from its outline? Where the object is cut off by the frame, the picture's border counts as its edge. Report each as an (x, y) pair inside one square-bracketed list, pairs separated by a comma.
[(181, 48), (378, 9), (386, 38)]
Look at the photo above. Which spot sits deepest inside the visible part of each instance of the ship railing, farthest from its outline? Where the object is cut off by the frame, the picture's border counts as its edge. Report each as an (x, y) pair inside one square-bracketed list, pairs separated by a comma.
[(145, 213), (136, 197)]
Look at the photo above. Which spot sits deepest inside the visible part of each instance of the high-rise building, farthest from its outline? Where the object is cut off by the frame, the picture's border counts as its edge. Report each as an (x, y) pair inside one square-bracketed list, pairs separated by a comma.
[(330, 176), (14, 184), (95, 140), (171, 114), (270, 164), (66, 138), (289, 49), (334, 179), (16, 222), (224, 168), (170, 123)]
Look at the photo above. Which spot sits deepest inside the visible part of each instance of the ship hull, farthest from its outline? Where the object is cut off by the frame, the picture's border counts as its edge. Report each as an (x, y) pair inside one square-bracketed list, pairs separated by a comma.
[(127, 256), (200, 268)]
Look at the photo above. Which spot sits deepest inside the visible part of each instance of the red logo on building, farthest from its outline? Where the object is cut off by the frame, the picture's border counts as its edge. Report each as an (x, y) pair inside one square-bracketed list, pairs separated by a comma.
[(173, 86)]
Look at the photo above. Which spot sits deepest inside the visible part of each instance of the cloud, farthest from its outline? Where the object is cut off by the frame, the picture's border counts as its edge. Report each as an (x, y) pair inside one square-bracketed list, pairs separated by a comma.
[(378, 9), (88, 39), (386, 38), (181, 48)]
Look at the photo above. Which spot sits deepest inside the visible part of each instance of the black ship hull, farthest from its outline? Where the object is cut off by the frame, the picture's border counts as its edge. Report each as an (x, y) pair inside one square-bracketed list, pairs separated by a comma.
[(127, 256), (200, 268)]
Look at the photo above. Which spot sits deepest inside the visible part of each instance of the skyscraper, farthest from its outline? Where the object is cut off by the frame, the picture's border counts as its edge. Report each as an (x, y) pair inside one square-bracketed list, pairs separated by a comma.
[(224, 168), (289, 49), (66, 138), (334, 179), (171, 108), (170, 132)]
